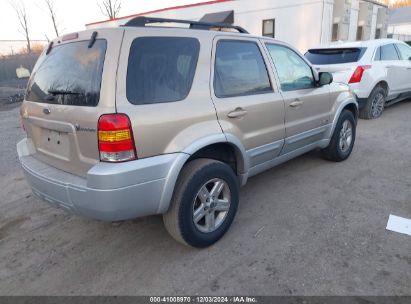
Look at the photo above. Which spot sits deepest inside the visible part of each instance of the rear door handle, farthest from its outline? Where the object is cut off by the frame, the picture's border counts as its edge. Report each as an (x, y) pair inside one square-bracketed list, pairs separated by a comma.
[(296, 103), (237, 113)]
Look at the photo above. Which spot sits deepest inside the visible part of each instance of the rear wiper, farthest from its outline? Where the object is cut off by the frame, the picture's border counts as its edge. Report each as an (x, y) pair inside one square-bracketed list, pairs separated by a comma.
[(49, 48), (61, 92), (92, 40), (53, 93)]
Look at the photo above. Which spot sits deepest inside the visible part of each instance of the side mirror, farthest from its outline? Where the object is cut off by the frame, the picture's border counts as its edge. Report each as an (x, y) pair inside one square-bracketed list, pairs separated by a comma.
[(325, 78)]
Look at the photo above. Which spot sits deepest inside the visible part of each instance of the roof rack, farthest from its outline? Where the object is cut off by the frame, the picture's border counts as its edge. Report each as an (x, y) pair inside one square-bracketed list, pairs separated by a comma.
[(143, 21)]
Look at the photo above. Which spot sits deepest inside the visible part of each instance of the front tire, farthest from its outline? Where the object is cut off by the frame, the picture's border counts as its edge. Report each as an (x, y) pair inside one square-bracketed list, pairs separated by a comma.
[(204, 203), (343, 139), (375, 104)]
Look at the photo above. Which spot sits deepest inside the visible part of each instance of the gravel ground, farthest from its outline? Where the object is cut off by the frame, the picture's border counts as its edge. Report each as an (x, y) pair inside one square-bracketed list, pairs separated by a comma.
[(308, 227)]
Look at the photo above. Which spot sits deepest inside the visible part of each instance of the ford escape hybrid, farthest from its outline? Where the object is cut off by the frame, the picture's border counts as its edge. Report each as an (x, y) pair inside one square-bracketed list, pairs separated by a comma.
[(142, 120)]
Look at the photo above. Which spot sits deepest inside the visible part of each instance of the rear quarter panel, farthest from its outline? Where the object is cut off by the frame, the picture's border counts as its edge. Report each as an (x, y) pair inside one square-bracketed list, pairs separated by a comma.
[(163, 128), (341, 96)]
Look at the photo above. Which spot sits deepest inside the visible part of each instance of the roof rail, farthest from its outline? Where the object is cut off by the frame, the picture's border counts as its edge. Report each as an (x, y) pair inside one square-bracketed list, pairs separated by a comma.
[(143, 21)]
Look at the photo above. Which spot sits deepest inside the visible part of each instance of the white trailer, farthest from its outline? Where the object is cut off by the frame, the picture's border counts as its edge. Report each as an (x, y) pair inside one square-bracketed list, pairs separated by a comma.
[(302, 23)]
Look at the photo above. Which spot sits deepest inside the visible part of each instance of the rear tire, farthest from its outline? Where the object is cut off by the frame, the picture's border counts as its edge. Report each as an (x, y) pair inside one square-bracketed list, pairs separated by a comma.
[(199, 216), (374, 106), (343, 139)]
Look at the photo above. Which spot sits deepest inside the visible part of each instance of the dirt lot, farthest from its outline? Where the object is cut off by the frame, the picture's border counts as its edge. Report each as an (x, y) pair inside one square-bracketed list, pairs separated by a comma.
[(308, 227)]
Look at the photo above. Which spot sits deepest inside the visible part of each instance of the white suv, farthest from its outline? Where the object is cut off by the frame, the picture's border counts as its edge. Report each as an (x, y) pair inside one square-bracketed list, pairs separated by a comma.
[(378, 71)]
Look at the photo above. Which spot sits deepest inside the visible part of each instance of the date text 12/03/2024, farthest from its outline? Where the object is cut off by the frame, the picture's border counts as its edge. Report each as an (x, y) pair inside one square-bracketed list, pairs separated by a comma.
[(200, 299)]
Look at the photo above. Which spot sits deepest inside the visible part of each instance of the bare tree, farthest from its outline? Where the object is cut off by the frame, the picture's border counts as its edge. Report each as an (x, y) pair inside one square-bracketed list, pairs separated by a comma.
[(20, 9), (110, 8), (52, 11)]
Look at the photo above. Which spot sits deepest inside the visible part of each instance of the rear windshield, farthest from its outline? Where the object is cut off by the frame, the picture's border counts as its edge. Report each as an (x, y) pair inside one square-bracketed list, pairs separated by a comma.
[(69, 75), (334, 56), (161, 69)]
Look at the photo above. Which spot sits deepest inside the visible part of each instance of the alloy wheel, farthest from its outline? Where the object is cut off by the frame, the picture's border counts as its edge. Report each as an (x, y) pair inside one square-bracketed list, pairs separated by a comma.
[(211, 205), (346, 136), (377, 105)]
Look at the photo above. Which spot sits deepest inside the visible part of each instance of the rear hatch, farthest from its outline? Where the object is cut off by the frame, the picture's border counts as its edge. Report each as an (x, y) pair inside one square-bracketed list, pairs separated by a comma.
[(71, 86), (341, 62)]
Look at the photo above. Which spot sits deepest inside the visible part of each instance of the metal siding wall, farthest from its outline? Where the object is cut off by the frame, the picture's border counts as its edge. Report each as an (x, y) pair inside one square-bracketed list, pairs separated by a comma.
[(374, 22), (355, 9), (302, 23), (327, 22)]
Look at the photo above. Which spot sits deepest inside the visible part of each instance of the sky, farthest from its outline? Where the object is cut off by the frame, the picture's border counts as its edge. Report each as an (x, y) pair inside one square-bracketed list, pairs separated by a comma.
[(72, 15)]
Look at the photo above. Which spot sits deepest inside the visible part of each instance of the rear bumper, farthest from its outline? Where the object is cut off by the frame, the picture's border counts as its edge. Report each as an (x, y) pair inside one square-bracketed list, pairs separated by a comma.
[(109, 192), (361, 90)]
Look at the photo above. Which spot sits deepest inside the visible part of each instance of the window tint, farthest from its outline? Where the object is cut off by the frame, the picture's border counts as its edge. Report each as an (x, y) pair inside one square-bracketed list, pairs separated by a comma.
[(335, 56), (388, 52), (294, 73), (161, 69), (240, 70), (405, 51), (69, 75)]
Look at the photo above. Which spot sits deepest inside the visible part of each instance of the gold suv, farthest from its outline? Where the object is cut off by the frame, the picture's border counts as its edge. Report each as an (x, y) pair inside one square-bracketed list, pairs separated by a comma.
[(141, 120)]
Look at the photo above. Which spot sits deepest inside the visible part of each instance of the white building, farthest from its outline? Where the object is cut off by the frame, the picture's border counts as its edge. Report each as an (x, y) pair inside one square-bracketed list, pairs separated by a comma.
[(399, 24), (303, 23)]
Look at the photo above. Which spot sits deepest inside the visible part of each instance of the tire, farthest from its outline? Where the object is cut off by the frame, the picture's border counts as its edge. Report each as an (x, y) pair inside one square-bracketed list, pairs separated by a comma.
[(199, 177), (375, 104), (342, 141)]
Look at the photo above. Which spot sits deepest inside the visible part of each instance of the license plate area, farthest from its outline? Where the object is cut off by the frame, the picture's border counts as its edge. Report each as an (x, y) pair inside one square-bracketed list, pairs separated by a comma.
[(55, 144)]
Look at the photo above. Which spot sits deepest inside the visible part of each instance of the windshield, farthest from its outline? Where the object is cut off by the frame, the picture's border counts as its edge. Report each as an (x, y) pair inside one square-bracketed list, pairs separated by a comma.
[(334, 56), (69, 75)]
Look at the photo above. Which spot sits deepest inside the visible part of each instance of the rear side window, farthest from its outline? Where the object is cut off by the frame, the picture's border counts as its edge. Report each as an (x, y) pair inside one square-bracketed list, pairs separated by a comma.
[(69, 75), (388, 52), (240, 70), (405, 51), (334, 56), (161, 69)]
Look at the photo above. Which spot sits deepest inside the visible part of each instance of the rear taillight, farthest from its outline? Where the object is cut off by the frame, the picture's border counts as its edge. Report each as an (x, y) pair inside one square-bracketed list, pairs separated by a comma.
[(357, 75), (115, 138)]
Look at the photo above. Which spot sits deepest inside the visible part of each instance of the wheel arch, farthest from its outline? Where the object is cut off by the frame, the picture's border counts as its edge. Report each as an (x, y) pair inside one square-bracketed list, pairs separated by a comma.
[(384, 85), (353, 108), (221, 143), (221, 147)]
